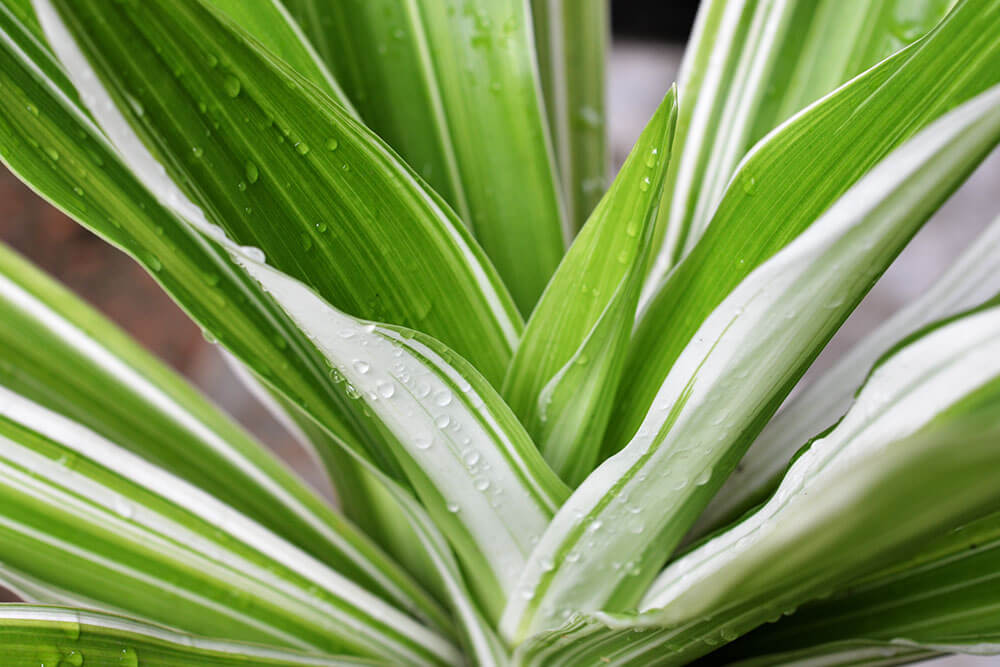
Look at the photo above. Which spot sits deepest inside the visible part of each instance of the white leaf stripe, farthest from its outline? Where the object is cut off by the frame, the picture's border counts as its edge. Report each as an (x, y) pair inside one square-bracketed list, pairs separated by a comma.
[(359, 603), (747, 349), (973, 278)]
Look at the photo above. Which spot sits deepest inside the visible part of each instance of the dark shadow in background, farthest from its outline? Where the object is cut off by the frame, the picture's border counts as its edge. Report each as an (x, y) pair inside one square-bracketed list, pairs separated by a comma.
[(653, 19)]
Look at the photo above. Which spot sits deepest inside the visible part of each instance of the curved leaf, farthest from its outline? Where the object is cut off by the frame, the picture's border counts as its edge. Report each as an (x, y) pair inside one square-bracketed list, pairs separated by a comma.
[(85, 515), (566, 370), (58, 352), (35, 635), (973, 278), (278, 166), (455, 90), (620, 525)]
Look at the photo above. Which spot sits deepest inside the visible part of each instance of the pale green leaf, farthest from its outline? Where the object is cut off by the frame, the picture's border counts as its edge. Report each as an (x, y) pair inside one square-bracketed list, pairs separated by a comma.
[(455, 90), (621, 524), (565, 372), (58, 352), (944, 598), (571, 39), (973, 278), (85, 515), (37, 635)]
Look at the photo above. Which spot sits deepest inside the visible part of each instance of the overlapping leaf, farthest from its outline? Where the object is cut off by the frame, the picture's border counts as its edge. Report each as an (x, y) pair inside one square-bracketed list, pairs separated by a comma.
[(921, 440), (751, 64), (566, 370), (620, 525), (942, 599), (973, 278), (85, 515), (36, 635), (455, 90), (61, 354)]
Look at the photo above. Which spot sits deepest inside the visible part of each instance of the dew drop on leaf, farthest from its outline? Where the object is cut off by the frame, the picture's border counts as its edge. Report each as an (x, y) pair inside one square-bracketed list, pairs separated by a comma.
[(232, 86), (251, 172)]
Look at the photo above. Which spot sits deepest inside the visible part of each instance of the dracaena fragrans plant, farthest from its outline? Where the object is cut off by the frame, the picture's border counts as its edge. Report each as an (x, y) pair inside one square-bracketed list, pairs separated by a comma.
[(549, 404)]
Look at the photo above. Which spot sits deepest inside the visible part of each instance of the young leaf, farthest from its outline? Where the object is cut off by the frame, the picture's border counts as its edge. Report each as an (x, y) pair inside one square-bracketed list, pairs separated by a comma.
[(944, 598), (87, 516), (33, 635), (455, 90), (973, 278), (58, 352), (571, 38), (740, 363), (566, 370), (280, 167)]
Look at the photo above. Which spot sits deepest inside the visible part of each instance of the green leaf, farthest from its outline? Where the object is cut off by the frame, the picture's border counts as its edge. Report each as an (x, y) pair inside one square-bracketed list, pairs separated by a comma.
[(58, 352), (750, 65), (566, 370), (620, 525), (85, 515), (921, 439), (279, 166), (571, 39), (943, 598), (456, 92), (794, 175), (466, 455), (36, 635), (973, 278), (270, 23)]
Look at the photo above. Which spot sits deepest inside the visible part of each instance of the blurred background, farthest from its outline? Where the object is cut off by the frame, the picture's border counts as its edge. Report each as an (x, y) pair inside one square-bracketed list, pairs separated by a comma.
[(648, 42)]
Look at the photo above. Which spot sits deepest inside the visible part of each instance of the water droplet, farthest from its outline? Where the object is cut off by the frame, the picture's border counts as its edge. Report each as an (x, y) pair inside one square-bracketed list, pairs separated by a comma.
[(232, 86), (482, 484), (128, 658), (528, 593), (241, 186), (452, 507), (198, 151), (547, 564), (443, 398), (302, 147), (321, 227), (361, 366), (251, 172), (385, 389), (653, 158), (423, 441), (253, 253), (471, 457), (78, 190), (32, 109), (645, 183), (71, 658), (52, 153), (442, 421), (749, 183), (307, 242), (352, 392), (572, 556), (212, 60)]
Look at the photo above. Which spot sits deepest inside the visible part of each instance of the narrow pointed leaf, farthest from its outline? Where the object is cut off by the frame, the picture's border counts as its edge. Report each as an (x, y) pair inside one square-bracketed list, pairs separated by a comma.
[(571, 38), (33, 635), (740, 364), (795, 174), (455, 90), (749, 66), (922, 439), (942, 599), (566, 370), (58, 352), (973, 278), (281, 167), (88, 516)]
